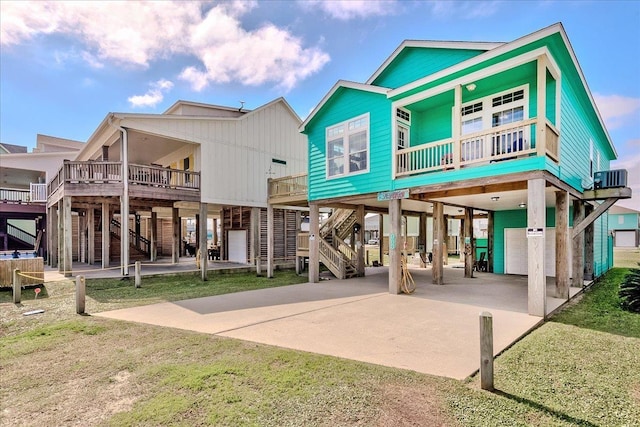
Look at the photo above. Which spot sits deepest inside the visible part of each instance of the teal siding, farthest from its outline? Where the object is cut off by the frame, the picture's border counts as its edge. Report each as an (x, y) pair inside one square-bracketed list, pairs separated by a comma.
[(415, 63), (629, 221), (511, 219), (481, 246), (346, 104)]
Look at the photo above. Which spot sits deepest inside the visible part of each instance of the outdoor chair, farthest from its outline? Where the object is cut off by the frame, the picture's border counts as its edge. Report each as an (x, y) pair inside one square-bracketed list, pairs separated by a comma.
[(481, 264)]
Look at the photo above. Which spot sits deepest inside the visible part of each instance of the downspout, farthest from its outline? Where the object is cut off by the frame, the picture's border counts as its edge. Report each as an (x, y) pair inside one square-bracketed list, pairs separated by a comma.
[(124, 202)]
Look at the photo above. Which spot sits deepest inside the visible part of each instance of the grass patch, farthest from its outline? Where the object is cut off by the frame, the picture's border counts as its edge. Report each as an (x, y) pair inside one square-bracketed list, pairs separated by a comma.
[(600, 308)]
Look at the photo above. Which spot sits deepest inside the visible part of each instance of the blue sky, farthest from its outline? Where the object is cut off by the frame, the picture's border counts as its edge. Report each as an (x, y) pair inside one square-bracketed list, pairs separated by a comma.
[(64, 66)]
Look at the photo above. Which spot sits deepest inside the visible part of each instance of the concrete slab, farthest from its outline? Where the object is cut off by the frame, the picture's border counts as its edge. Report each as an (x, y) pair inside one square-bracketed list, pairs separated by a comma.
[(433, 331)]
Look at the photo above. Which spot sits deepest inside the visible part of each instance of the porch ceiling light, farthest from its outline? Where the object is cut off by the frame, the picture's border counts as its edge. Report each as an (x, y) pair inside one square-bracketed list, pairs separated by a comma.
[(522, 205), (471, 87), (495, 198)]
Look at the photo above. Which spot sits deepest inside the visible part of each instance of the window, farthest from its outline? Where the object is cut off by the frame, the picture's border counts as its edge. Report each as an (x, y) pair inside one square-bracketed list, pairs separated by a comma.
[(403, 137), (403, 115), (348, 147)]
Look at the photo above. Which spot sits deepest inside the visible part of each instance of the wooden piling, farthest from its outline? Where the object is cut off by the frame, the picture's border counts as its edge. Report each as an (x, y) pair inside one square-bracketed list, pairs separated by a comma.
[(486, 351)]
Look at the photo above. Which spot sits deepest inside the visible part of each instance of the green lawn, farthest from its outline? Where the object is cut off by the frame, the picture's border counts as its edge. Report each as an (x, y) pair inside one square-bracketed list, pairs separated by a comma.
[(580, 368)]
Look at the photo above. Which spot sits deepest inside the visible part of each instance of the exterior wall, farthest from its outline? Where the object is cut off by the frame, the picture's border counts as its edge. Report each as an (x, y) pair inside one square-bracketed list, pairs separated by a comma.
[(518, 219), (414, 63), (350, 104), (236, 163), (629, 221), (49, 163)]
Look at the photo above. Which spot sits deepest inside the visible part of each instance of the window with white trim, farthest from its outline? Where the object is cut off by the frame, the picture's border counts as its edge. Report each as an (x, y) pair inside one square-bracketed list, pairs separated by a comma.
[(348, 147)]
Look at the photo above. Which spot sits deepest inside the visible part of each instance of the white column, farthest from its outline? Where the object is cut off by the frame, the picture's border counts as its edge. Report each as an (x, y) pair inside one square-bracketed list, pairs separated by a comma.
[(68, 236), (202, 231), (270, 240), (395, 245), (106, 236)]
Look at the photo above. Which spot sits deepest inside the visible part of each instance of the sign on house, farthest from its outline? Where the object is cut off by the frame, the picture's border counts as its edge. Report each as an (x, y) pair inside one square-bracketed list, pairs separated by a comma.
[(535, 232), (393, 195)]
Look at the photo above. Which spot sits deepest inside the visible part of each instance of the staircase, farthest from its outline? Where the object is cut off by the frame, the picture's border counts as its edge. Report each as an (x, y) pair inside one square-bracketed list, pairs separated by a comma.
[(22, 239), (140, 244), (334, 252)]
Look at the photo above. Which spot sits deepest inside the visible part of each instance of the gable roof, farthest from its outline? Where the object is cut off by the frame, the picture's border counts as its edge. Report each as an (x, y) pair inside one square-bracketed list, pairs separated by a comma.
[(12, 148), (341, 84), (432, 44), (180, 103)]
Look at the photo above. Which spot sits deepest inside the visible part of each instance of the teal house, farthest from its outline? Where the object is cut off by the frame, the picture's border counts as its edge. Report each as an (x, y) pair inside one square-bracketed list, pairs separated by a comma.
[(624, 226), (504, 131)]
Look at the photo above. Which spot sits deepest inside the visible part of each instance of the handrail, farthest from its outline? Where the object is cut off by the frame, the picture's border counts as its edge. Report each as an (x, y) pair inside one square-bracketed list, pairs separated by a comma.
[(332, 258), (20, 234), (100, 172), (338, 216), (346, 249), (293, 185), (137, 238), (14, 195)]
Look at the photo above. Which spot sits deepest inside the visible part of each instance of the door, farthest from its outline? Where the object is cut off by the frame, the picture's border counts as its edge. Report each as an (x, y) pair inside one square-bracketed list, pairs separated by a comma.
[(516, 251), (625, 239), (238, 246)]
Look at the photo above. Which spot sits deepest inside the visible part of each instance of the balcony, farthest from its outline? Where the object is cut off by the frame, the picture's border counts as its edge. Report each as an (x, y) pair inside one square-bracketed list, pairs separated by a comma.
[(105, 179), (288, 190), (508, 142), (37, 193)]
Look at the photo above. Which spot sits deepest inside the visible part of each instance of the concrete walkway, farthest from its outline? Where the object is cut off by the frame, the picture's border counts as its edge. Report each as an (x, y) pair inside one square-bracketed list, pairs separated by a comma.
[(433, 331)]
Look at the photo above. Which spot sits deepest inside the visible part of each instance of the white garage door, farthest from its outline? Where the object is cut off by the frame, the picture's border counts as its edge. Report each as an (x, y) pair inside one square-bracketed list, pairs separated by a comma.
[(238, 246), (516, 251), (626, 239)]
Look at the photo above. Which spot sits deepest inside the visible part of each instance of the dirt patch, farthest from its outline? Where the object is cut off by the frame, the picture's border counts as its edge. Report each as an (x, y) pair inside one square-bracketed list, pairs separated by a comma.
[(416, 405)]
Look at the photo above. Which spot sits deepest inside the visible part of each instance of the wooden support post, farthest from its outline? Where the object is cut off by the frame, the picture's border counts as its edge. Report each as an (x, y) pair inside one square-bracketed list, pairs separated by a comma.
[(17, 286), (106, 235), (486, 351), (153, 237), (68, 236), (138, 274), (468, 242), (254, 236), (91, 236), (202, 239), (53, 232), (562, 245), (577, 243), (445, 238), (175, 235), (490, 237), (82, 227), (81, 292), (422, 240), (588, 246), (124, 235), (437, 266), (314, 236), (395, 246), (270, 241), (360, 240), (60, 239), (258, 266), (381, 239), (215, 231), (536, 219)]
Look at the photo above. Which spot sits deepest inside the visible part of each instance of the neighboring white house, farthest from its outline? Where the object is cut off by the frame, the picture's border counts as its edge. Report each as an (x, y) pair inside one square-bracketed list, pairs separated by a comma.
[(193, 160)]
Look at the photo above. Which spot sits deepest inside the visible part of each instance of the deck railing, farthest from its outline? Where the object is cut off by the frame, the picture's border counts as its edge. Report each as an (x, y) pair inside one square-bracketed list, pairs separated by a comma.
[(496, 144), (111, 172), (302, 242), (36, 193), (288, 186)]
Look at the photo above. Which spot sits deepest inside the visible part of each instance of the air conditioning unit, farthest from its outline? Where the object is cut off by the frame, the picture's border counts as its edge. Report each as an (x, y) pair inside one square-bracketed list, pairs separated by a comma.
[(610, 179)]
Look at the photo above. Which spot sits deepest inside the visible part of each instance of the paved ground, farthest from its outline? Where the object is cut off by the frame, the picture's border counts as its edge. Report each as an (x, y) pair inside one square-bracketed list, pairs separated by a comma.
[(434, 331)]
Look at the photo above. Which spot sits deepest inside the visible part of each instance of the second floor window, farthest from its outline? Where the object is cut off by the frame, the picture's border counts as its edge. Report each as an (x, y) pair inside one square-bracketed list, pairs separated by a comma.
[(348, 147)]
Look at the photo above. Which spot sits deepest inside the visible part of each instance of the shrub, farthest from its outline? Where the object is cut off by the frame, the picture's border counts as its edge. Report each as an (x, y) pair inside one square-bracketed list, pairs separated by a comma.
[(630, 291)]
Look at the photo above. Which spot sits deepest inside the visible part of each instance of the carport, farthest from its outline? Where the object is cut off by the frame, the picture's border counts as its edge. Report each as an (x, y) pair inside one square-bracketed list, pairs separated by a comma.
[(433, 331)]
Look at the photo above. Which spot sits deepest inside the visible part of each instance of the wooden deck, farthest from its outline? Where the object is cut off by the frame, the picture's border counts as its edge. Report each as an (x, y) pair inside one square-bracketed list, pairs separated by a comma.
[(104, 179)]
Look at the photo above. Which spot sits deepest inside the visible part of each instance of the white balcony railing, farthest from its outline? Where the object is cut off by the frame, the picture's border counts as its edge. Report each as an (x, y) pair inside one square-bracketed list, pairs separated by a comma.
[(500, 143)]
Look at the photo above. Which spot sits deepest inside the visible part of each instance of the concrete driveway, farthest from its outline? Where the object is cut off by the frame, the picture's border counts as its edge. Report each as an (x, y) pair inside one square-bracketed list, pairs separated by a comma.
[(433, 331)]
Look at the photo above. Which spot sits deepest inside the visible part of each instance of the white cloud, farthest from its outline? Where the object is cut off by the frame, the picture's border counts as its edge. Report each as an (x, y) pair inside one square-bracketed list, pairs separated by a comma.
[(345, 10), (631, 162), (618, 110), (154, 95), (138, 33)]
